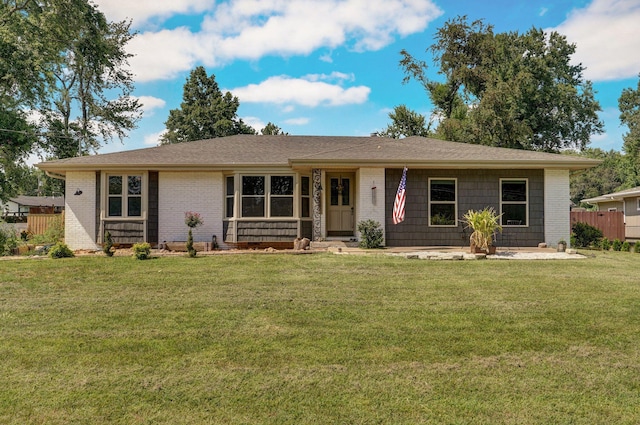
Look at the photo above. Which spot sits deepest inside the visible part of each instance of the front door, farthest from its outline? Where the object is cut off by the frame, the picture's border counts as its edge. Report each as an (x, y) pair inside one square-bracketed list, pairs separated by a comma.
[(340, 214)]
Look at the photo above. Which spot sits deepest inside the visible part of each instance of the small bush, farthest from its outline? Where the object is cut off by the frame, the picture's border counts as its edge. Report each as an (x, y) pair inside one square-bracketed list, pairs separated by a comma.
[(617, 244), (142, 251), (636, 247), (108, 244), (60, 250), (626, 247), (585, 235), (8, 239), (605, 244), (371, 234), (53, 234)]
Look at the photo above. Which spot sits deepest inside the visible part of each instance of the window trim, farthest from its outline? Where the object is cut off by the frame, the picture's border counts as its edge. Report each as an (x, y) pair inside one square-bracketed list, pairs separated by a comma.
[(454, 202), (638, 204), (144, 195), (526, 202)]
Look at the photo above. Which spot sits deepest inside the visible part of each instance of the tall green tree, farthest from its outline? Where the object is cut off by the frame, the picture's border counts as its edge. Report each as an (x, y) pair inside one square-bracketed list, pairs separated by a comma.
[(406, 122), (16, 140), (629, 105), (607, 177), (92, 102), (507, 89), (205, 112)]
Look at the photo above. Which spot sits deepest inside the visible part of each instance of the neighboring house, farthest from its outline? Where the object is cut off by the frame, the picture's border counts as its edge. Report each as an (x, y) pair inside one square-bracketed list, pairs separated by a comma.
[(20, 206), (268, 190), (628, 202)]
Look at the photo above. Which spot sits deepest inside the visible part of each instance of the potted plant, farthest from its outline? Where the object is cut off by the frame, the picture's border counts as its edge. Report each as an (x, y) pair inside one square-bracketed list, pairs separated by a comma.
[(485, 224), (562, 245)]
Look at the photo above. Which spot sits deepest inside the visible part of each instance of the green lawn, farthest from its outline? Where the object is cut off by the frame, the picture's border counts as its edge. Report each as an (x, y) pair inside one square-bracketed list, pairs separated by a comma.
[(319, 339)]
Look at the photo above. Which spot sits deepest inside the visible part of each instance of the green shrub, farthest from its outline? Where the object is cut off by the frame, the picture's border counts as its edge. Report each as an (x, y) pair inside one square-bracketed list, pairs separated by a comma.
[(371, 234), (142, 251), (585, 235), (617, 244), (626, 247), (108, 244), (8, 239), (60, 250), (53, 234), (636, 247), (605, 244)]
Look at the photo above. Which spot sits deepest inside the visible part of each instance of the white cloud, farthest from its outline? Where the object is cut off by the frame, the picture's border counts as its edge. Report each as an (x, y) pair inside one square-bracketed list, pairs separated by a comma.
[(140, 11), (254, 122), (153, 139), (301, 91), (251, 29), (150, 104), (297, 121), (543, 11), (607, 35)]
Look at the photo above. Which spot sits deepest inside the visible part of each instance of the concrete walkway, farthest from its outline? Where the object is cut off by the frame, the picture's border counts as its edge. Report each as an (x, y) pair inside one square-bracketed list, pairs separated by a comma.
[(458, 253)]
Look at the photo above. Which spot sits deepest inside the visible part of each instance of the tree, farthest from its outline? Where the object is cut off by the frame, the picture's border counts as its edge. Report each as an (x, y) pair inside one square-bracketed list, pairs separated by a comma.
[(405, 123), (607, 177), (272, 130), (91, 79), (16, 139), (508, 89), (204, 112), (629, 105), (62, 57)]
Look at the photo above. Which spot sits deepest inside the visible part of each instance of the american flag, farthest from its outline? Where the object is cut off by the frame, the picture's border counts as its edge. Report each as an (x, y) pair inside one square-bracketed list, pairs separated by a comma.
[(398, 204)]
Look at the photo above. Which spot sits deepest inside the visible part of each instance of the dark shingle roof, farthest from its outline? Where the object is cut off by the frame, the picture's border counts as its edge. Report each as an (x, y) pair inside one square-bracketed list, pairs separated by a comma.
[(309, 151)]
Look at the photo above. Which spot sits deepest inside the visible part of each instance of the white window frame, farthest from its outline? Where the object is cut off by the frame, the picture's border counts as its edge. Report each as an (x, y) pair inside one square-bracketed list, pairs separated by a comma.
[(267, 195), (454, 202), (638, 204), (526, 202), (125, 196)]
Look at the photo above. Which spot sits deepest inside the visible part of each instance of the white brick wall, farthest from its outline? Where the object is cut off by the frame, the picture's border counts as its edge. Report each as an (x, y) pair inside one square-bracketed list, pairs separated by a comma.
[(557, 202), (200, 192), (80, 210), (366, 208)]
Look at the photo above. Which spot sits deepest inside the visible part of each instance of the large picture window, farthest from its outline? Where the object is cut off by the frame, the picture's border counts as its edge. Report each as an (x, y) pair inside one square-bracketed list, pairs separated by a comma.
[(442, 202), (267, 196), (124, 197), (514, 202)]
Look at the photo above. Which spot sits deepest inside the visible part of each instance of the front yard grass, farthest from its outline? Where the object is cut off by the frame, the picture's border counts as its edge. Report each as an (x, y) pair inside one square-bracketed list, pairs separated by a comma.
[(319, 339)]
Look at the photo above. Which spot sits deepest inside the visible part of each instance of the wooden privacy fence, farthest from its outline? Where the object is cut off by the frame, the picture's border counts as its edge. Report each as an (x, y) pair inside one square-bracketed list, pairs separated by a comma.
[(610, 222), (37, 224)]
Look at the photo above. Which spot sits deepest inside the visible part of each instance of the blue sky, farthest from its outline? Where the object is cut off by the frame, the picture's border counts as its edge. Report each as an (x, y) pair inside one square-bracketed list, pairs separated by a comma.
[(330, 67)]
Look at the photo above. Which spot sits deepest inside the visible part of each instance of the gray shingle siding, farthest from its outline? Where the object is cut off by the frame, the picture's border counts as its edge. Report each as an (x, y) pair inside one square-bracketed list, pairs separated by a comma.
[(477, 189)]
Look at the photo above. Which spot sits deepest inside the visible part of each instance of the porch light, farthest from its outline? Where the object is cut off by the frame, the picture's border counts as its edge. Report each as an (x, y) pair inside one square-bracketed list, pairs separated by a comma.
[(78, 192)]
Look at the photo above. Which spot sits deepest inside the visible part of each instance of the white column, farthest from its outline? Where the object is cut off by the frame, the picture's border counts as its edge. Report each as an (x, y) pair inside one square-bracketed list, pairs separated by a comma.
[(80, 210), (557, 203)]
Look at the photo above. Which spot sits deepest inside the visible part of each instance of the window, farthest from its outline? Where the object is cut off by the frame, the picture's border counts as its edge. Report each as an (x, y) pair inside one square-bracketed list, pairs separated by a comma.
[(638, 204), (281, 198), (230, 196), (267, 196), (514, 202), (253, 195), (442, 202), (124, 197), (305, 198)]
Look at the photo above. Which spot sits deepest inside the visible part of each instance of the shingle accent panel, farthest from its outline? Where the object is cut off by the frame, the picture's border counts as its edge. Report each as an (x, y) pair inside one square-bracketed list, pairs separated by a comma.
[(477, 189)]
